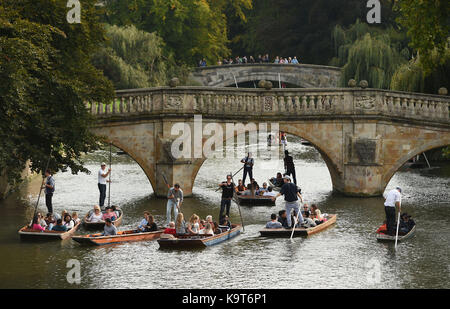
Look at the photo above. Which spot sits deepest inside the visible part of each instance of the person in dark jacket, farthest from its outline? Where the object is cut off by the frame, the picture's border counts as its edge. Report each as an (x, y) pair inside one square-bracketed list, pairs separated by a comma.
[(282, 218), (289, 165), (406, 223)]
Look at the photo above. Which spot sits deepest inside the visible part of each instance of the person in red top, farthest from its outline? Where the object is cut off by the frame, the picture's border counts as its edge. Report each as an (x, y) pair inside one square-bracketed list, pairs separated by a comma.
[(171, 229), (109, 214), (382, 229), (35, 225)]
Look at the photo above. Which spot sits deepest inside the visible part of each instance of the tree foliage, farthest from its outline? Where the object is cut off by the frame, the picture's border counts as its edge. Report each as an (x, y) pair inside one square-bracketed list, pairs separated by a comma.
[(135, 59), (427, 23), (191, 30), (370, 53), (46, 76)]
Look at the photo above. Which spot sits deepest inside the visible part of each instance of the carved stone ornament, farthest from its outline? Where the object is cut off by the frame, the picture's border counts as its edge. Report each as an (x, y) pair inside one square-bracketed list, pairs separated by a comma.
[(268, 103), (365, 102), (173, 102)]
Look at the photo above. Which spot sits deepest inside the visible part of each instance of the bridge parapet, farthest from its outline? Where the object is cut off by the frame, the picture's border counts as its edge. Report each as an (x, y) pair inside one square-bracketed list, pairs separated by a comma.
[(275, 104)]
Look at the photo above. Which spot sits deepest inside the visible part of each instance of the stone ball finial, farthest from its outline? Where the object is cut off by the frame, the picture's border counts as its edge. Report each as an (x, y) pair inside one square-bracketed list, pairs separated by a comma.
[(268, 85), (261, 84), (352, 83), (363, 84), (174, 82), (443, 91)]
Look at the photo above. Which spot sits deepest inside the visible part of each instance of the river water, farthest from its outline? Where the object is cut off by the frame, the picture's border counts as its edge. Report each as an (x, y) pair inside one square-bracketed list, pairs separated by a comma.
[(344, 256)]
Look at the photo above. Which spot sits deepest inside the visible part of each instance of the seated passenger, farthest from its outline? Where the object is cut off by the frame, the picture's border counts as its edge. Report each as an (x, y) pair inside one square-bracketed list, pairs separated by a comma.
[(225, 222), (277, 181), (306, 210), (171, 229), (50, 221), (382, 229), (68, 222), (180, 224), (151, 225), (36, 225), (109, 229), (269, 192), (208, 230), (307, 221), (273, 223), (109, 214), (75, 218), (193, 226), (59, 227), (262, 190), (209, 220), (406, 224), (282, 218), (240, 187), (96, 215), (316, 215), (144, 222), (253, 185), (202, 224)]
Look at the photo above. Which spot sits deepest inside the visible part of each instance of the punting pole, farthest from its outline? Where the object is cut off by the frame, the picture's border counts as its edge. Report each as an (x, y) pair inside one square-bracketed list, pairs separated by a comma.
[(109, 187), (239, 206), (426, 159), (42, 184), (396, 234)]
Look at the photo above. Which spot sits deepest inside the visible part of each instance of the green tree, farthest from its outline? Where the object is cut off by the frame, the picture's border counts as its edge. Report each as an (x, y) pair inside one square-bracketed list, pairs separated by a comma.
[(46, 78), (427, 23), (370, 53), (191, 30), (135, 59)]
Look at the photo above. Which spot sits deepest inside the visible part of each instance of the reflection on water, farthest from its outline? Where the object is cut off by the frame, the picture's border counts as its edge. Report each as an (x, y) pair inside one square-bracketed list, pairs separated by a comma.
[(344, 256)]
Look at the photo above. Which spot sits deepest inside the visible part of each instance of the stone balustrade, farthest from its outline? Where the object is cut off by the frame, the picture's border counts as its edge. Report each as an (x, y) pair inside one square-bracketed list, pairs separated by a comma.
[(275, 103)]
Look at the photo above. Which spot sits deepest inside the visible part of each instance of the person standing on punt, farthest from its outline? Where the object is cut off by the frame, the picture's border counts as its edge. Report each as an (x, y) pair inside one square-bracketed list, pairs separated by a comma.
[(248, 166), (392, 199), (228, 189), (289, 165), (174, 201), (102, 174), (291, 196), (49, 190)]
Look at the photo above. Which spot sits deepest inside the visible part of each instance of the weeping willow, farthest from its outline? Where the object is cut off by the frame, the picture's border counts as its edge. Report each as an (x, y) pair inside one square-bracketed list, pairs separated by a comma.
[(369, 53)]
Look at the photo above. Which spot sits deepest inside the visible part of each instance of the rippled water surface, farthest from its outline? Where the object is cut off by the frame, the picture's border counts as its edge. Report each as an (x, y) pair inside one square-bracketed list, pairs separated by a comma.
[(344, 256)]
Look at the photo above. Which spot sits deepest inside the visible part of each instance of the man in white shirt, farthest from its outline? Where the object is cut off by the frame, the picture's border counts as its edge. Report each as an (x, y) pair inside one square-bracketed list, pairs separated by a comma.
[(102, 174), (392, 198)]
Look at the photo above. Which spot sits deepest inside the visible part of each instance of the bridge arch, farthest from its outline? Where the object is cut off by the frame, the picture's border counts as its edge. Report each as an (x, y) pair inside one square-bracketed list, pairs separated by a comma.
[(411, 154), (301, 75)]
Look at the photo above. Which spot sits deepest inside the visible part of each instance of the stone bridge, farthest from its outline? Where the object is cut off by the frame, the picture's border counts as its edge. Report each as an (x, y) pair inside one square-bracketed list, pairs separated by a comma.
[(363, 135), (300, 75)]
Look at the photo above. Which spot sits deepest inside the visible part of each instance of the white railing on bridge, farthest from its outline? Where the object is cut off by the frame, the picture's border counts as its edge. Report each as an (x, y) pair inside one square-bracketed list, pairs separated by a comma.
[(225, 102)]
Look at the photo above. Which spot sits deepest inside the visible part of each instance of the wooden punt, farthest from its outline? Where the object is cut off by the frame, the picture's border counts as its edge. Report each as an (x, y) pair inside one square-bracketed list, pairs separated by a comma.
[(282, 232), (101, 225), (255, 200), (121, 237), (199, 241), (27, 233), (387, 238)]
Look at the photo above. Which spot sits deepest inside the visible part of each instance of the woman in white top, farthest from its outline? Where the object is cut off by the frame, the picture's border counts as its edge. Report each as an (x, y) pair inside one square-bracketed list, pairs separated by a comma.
[(207, 230), (193, 226), (68, 222), (96, 216)]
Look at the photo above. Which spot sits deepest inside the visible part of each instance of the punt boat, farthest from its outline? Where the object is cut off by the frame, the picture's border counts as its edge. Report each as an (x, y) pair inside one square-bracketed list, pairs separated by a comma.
[(199, 241), (121, 237), (100, 225), (387, 238), (254, 200), (26, 233), (282, 232)]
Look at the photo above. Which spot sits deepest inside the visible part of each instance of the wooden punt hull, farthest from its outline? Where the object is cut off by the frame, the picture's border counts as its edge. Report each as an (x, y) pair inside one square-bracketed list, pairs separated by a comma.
[(248, 200), (282, 232), (388, 238), (26, 233), (191, 242), (121, 237), (101, 225)]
